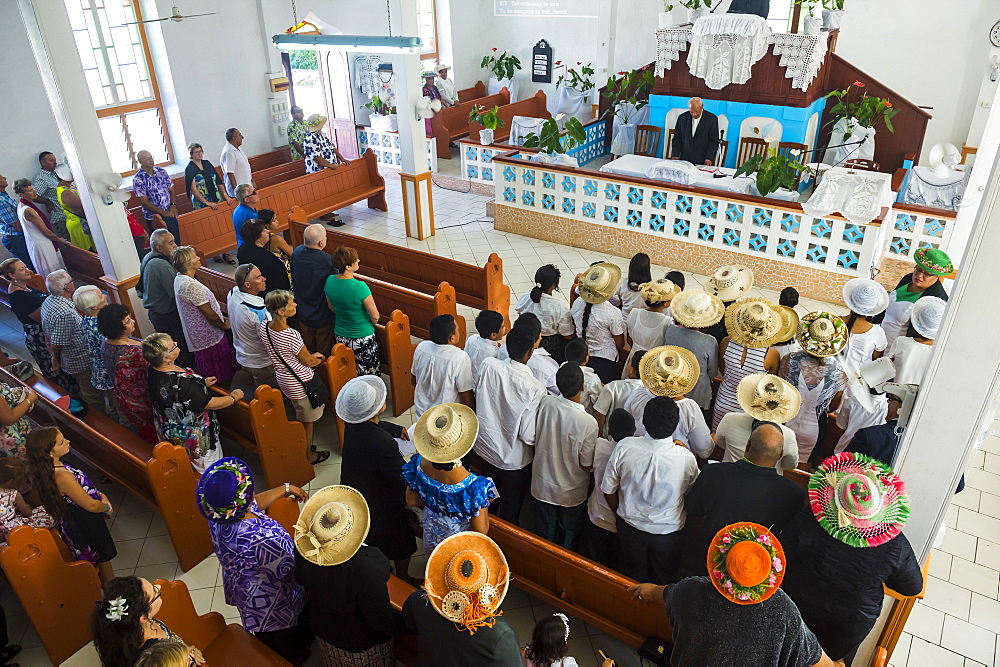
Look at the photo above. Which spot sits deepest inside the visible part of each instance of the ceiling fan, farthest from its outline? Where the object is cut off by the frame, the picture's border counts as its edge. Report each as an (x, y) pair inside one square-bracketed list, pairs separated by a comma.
[(175, 15)]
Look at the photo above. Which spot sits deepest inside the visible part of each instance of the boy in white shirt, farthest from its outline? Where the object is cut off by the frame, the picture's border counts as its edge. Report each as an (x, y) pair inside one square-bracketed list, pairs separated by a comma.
[(543, 366), (600, 536), (614, 394), (577, 350), (565, 437), (486, 343), (442, 371)]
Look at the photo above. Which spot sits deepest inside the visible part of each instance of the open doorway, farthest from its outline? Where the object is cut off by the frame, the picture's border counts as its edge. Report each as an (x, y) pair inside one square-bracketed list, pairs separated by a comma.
[(321, 83)]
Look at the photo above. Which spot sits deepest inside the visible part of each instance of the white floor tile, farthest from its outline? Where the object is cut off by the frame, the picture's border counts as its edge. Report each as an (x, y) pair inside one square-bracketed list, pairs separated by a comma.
[(988, 554), (989, 504), (902, 651), (975, 577), (978, 524), (968, 640), (940, 566), (926, 623), (982, 480), (947, 597), (157, 550), (985, 612), (925, 654), (959, 544)]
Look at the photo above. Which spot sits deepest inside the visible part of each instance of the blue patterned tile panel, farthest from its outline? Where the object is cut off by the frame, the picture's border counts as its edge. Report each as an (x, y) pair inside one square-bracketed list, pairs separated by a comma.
[(472, 171), (528, 198), (611, 192), (569, 184), (548, 202), (589, 188), (509, 175), (682, 227), (611, 214), (900, 245), (548, 180), (847, 259), (731, 237), (656, 223), (635, 196), (758, 242), (934, 227), (528, 177), (659, 200), (487, 174), (508, 194), (471, 153), (706, 232), (683, 204), (816, 253), (589, 210), (709, 208), (634, 218), (790, 223), (821, 228), (904, 222), (568, 205), (734, 213), (787, 247), (853, 234), (761, 217)]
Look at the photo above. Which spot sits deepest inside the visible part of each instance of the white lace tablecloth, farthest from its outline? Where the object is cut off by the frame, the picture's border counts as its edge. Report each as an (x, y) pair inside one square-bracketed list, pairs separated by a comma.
[(669, 44), (521, 127), (725, 46), (927, 189), (857, 195)]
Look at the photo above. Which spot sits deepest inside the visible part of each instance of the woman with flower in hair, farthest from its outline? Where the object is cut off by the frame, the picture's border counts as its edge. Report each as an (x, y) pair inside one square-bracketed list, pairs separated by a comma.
[(124, 623)]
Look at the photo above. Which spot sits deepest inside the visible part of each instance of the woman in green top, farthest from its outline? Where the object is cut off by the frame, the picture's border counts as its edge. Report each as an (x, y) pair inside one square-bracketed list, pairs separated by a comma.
[(354, 307), (72, 207), (930, 265)]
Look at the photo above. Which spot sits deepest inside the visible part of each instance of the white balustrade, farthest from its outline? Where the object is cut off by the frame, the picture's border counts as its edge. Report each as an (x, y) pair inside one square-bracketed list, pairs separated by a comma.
[(385, 145), (909, 229)]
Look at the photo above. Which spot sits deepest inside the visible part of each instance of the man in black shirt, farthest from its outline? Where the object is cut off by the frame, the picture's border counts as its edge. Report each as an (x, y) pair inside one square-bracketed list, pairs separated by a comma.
[(311, 266)]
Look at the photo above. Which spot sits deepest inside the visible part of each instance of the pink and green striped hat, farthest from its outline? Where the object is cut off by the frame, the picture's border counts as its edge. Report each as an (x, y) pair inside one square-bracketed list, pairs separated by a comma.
[(858, 499)]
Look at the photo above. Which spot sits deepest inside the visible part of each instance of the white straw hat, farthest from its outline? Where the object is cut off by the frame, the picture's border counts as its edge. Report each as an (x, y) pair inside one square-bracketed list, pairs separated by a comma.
[(446, 432), (599, 282), (697, 309), (658, 291), (768, 398), (669, 370), (730, 282), (822, 334), (926, 315), (865, 296), (332, 526), (754, 322), (361, 399)]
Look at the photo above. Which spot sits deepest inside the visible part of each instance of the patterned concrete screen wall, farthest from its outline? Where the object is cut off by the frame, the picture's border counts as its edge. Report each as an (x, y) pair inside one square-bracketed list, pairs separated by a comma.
[(915, 227), (385, 145)]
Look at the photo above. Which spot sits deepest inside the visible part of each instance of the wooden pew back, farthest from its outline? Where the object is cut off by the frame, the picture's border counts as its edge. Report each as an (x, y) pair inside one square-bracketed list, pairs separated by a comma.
[(174, 483), (532, 107), (453, 122), (271, 159), (475, 92), (418, 306), (333, 189), (337, 370)]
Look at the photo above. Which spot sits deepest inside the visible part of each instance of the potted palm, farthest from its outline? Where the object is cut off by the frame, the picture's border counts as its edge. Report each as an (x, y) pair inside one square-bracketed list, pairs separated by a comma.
[(811, 25), (553, 143), (503, 67), (833, 14), (855, 120), (627, 94), (696, 9), (774, 174), (573, 84), (489, 119), (383, 117)]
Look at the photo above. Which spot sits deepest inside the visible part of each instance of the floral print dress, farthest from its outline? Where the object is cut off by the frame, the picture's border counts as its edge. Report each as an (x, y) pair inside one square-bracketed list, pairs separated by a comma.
[(10, 518), (128, 370), (13, 437), (180, 414)]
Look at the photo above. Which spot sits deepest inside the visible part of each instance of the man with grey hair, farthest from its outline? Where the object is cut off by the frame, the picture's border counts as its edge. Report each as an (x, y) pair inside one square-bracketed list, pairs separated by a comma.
[(696, 135), (234, 162), (246, 312), (61, 324), (246, 195), (156, 289), (152, 187), (311, 266)]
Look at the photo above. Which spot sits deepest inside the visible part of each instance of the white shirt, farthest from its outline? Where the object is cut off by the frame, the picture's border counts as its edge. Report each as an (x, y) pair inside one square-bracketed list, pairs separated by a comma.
[(635, 405), (613, 395), (691, 427), (606, 321), (507, 398), (600, 513), (442, 373), (591, 387), (479, 348), (910, 359), (542, 366), (861, 346), (695, 122), (565, 437), (651, 478), (647, 328), (246, 312), (447, 89), (551, 311), (234, 161), (733, 435), (852, 417), (626, 299)]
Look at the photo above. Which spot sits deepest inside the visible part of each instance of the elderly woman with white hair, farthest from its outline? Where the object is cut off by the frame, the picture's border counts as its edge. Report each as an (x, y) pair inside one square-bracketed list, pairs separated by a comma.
[(89, 300)]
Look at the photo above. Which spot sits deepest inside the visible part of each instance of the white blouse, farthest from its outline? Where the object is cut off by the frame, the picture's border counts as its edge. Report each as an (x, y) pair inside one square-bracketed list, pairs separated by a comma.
[(860, 346), (551, 311), (605, 323), (910, 359), (627, 300)]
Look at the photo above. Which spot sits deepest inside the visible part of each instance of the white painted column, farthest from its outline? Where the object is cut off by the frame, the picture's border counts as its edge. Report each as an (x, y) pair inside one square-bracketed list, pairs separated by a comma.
[(274, 18), (415, 179), (61, 71)]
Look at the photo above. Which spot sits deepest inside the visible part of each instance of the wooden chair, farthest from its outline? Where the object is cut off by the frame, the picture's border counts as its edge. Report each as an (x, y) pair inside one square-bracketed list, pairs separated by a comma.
[(647, 140), (669, 146), (750, 146), (723, 152), (966, 152), (862, 165), (786, 147)]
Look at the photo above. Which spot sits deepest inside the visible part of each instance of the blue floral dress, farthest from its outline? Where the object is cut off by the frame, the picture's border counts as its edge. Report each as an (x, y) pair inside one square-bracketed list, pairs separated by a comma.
[(100, 377), (448, 508)]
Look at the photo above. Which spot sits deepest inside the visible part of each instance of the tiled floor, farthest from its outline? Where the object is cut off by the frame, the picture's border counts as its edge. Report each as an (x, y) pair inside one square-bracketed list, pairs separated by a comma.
[(957, 623)]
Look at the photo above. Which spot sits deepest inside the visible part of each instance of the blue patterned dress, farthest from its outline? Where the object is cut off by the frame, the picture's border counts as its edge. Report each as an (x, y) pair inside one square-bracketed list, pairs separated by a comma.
[(100, 377), (448, 508), (257, 557)]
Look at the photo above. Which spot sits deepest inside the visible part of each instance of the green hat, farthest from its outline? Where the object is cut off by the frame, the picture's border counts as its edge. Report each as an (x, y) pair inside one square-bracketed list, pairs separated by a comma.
[(933, 261)]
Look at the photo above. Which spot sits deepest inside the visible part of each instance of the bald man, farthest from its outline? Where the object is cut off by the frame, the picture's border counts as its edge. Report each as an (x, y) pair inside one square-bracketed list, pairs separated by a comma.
[(151, 186), (311, 266), (696, 135)]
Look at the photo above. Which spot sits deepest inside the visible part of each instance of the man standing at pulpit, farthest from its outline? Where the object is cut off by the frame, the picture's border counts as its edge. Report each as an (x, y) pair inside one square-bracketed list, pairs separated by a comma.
[(696, 135)]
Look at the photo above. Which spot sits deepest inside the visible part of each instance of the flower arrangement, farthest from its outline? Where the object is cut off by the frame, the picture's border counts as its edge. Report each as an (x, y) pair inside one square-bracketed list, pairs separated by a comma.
[(581, 80), (488, 118), (551, 141), (380, 106), (865, 111), (754, 583), (773, 171), (631, 91), (503, 66)]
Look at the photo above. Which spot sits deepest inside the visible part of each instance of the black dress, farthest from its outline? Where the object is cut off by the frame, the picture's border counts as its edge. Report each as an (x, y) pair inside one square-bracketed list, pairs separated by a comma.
[(272, 268), (373, 465)]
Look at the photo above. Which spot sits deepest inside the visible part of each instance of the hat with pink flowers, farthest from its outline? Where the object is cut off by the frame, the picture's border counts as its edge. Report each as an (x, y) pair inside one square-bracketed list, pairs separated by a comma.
[(746, 563)]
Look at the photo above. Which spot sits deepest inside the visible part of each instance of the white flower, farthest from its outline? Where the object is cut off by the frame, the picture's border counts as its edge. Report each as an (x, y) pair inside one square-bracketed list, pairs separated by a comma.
[(769, 139), (116, 609), (795, 152)]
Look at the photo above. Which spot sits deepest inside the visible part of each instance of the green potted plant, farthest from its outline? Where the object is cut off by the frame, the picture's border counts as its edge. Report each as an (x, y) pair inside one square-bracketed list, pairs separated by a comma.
[(383, 116), (855, 117), (773, 172), (553, 143), (489, 119), (627, 95), (503, 67), (811, 25), (833, 14), (696, 8), (572, 87)]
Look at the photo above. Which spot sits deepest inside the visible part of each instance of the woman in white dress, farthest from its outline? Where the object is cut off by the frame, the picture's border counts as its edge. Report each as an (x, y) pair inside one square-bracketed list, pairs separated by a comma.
[(628, 294), (931, 265), (43, 244), (866, 298), (646, 327), (910, 354), (551, 311), (600, 323)]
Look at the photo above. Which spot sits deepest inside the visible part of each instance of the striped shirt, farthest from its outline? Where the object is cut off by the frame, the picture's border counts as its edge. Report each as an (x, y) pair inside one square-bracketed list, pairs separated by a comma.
[(282, 347), (725, 399)]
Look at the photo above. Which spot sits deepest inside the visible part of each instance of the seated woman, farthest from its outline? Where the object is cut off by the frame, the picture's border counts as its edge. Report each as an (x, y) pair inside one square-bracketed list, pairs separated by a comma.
[(256, 555), (124, 623), (123, 359), (256, 238), (454, 499)]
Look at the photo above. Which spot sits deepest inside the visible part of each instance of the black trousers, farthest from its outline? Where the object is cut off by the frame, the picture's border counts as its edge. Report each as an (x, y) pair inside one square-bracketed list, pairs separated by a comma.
[(606, 369), (647, 557), (839, 636), (601, 546), (512, 486), (170, 324), (292, 643)]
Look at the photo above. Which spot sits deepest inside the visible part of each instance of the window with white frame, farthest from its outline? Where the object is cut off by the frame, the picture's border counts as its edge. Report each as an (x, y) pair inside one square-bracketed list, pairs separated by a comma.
[(427, 20)]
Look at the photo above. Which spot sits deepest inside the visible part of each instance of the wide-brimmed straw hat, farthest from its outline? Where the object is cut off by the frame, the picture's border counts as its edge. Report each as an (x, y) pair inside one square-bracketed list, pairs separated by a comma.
[(730, 282), (446, 432), (669, 370), (599, 282), (858, 500), (225, 490), (361, 398), (768, 398), (865, 296), (822, 334), (697, 309), (789, 323), (754, 323), (315, 121), (332, 526), (442, 67), (926, 315), (934, 261), (746, 563), (467, 579), (658, 291)]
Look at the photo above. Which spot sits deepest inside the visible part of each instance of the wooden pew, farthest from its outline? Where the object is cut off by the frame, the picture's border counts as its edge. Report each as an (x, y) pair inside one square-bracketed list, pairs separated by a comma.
[(480, 287), (174, 483), (532, 107), (271, 159), (473, 93), (452, 123), (219, 643)]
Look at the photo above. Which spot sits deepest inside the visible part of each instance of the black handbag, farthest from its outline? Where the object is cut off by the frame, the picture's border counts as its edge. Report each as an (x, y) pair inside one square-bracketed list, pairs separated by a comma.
[(315, 388)]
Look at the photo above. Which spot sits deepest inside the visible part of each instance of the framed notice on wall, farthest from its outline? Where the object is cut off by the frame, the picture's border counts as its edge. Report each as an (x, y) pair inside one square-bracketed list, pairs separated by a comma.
[(541, 62), (583, 9)]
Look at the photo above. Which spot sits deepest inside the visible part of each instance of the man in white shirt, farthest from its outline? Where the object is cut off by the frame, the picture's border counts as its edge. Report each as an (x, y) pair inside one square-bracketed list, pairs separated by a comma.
[(577, 350), (543, 366), (442, 371), (234, 162), (691, 427), (565, 437), (446, 86), (485, 343), (507, 398), (600, 536), (645, 483), (246, 312), (614, 394), (734, 432)]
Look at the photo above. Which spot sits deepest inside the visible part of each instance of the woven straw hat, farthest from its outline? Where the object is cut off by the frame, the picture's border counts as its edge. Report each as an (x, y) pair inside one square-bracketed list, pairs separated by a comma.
[(669, 370), (789, 323), (467, 579), (658, 291), (730, 282), (822, 334), (768, 398), (332, 525), (754, 323), (865, 296), (696, 309), (361, 398), (315, 122), (599, 282), (746, 563), (926, 315), (446, 432)]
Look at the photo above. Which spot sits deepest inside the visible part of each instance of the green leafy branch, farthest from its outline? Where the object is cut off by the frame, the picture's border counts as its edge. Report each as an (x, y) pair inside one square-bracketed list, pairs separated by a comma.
[(550, 140)]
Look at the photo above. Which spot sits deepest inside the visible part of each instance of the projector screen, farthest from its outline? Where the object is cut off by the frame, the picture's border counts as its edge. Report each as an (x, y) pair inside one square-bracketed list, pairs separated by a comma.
[(586, 9)]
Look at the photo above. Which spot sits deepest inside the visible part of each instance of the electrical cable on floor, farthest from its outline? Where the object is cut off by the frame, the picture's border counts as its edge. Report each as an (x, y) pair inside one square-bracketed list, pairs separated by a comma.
[(462, 224), (466, 191)]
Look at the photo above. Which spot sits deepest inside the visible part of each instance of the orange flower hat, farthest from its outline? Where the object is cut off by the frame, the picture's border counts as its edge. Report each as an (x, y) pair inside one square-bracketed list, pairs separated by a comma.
[(746, 563)]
